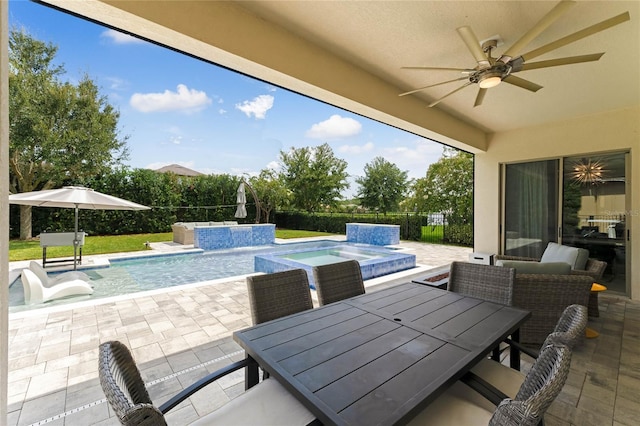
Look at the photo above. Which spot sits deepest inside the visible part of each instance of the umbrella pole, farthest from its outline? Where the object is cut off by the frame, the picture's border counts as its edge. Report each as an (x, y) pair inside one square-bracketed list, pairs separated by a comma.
[(75, 240)]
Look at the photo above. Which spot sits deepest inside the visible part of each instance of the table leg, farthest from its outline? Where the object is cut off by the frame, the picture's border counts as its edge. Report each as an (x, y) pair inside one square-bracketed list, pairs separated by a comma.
[(514, 352), (496, 354), (251, 377)]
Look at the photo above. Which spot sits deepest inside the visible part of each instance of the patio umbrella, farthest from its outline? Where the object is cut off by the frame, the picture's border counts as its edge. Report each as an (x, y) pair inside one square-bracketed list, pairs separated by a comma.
[(76, 197), (241, 211)]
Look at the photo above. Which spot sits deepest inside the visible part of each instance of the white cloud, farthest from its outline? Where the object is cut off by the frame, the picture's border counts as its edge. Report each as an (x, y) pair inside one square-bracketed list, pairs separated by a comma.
[(183, 99), (176, 140), (222, 111), (120, 38), (415, 159), (258, 107), (356, 149), (273, 165), (334, 128), (117, 84)]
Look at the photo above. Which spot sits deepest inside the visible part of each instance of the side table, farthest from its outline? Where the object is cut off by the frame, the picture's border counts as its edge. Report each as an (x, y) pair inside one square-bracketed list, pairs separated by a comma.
[(593, 308)]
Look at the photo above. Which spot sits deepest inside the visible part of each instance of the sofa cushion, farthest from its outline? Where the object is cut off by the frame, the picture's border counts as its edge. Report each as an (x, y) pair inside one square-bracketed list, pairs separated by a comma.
[(559, 253), (526, 267), (581, 260)]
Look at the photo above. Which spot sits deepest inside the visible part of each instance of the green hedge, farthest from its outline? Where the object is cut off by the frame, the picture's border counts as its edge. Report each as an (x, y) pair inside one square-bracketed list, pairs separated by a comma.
[(172, 199), (410, 225)]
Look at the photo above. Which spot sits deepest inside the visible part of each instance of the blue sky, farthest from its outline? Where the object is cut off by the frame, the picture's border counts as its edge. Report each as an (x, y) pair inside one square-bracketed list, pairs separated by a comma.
[(177, 109)]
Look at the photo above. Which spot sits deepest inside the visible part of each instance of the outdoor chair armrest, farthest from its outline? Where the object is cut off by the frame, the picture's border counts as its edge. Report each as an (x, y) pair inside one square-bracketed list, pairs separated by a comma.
[(594, 268), (533, 353), (506, 257), (190, 390), (484, 388)]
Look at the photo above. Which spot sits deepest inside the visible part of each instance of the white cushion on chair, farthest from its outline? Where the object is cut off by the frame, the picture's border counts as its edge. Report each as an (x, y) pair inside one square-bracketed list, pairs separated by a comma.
[(500, 376), (559, 253), (267, 403), (456, 407)]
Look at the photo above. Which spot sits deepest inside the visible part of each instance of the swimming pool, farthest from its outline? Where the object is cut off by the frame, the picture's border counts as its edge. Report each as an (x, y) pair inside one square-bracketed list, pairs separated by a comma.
[(133, 275)]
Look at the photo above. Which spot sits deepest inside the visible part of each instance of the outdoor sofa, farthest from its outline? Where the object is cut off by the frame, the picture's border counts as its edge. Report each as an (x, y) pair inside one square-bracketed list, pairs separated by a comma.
[(561, 277)]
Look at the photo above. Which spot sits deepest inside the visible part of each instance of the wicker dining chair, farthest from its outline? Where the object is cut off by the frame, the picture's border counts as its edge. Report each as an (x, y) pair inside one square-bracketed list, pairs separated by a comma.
[(278, 294), (477, 403), (569, 331), (267, 403), (338, 281), (486, 282)]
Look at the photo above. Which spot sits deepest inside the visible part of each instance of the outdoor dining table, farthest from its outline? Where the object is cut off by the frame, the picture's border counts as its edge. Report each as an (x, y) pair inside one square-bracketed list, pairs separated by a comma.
[(381, 357)]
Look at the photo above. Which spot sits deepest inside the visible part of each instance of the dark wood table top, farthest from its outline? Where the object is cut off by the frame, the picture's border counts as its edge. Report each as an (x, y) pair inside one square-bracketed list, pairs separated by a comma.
[(381, 357)]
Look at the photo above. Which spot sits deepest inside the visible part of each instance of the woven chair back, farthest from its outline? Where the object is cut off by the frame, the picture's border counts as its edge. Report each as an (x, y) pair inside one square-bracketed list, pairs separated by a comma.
[(278, 294), (486, 282), (572, 324), (540, 388), (338, 281), (124, 388)]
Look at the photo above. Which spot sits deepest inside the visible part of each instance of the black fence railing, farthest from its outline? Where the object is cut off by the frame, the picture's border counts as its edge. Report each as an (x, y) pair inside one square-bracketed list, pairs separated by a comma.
[(426, 227)]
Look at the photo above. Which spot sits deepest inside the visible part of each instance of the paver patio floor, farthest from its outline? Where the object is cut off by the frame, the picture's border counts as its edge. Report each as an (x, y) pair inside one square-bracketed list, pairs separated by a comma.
[(181, 334)]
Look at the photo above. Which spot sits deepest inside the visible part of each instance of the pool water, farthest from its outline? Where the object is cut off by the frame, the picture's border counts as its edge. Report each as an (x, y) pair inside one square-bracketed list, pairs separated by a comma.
[(325, 257), (133, 275), (375, 261)]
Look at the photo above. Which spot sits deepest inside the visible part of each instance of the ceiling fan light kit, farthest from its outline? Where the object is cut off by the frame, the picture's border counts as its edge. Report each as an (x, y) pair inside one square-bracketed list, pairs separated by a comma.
[(490, 72)]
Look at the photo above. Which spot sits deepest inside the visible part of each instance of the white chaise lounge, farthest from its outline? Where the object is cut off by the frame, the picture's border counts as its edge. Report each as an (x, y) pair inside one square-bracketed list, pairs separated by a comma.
[(50, 281), (36, 292)]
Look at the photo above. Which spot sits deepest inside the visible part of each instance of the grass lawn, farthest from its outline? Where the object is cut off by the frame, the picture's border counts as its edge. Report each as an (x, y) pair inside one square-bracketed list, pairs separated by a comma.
[(28, 250)]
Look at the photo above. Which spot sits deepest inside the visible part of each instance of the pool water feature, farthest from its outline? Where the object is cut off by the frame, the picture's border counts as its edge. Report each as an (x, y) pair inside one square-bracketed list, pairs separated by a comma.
[(143, 273), (374, 261)]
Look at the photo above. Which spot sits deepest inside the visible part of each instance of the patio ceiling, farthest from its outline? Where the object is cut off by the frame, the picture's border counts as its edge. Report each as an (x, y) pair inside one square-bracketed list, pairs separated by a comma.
[(350, 54)]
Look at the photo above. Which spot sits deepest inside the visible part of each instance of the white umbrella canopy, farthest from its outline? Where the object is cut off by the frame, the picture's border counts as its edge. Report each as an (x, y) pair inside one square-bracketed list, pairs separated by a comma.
[(241, 211), (76, 197)]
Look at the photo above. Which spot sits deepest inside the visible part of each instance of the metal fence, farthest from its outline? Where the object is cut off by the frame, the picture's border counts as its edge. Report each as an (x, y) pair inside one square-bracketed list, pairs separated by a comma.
[(426, 227)]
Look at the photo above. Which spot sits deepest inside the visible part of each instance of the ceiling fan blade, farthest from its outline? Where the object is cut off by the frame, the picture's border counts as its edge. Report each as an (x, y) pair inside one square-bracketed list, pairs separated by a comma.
[(561, 61), (538, 28), (470, 39), (480, 97), (601, 26), (432, 85), (465, 70), (434, 103), (521, 82)]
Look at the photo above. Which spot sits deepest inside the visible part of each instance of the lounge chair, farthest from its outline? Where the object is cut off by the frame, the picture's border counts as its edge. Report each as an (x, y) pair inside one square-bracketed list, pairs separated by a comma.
[(36, 292), (50, 281)]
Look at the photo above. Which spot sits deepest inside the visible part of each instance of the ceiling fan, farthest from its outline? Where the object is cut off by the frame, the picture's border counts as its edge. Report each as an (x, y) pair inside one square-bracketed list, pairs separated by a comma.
[(490, 71)]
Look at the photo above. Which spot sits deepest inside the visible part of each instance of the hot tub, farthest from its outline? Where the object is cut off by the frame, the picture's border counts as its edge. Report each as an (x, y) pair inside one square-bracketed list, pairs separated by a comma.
[(374, 261)]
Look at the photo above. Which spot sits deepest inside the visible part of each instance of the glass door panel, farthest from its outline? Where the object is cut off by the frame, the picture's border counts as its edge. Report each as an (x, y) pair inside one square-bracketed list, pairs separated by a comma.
[(594, 206), (530, 207)]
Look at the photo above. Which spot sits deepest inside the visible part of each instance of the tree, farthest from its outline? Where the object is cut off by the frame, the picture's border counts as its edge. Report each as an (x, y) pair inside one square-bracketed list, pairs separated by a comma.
[(271, 190), (447, 187), (383, 185), (58, 132), (315, 176)]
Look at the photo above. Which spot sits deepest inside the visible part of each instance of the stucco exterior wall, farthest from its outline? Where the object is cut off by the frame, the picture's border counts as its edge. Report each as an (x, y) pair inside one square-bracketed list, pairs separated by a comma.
[(612, 131)]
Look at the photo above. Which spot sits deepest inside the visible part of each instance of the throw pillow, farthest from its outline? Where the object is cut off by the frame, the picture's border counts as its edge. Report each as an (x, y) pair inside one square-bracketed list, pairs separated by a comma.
[(559, 253)]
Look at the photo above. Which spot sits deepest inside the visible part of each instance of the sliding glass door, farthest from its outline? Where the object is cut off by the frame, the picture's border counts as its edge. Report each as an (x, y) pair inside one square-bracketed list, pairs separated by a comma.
[(594, 211), (530, 207), (578, 201)]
